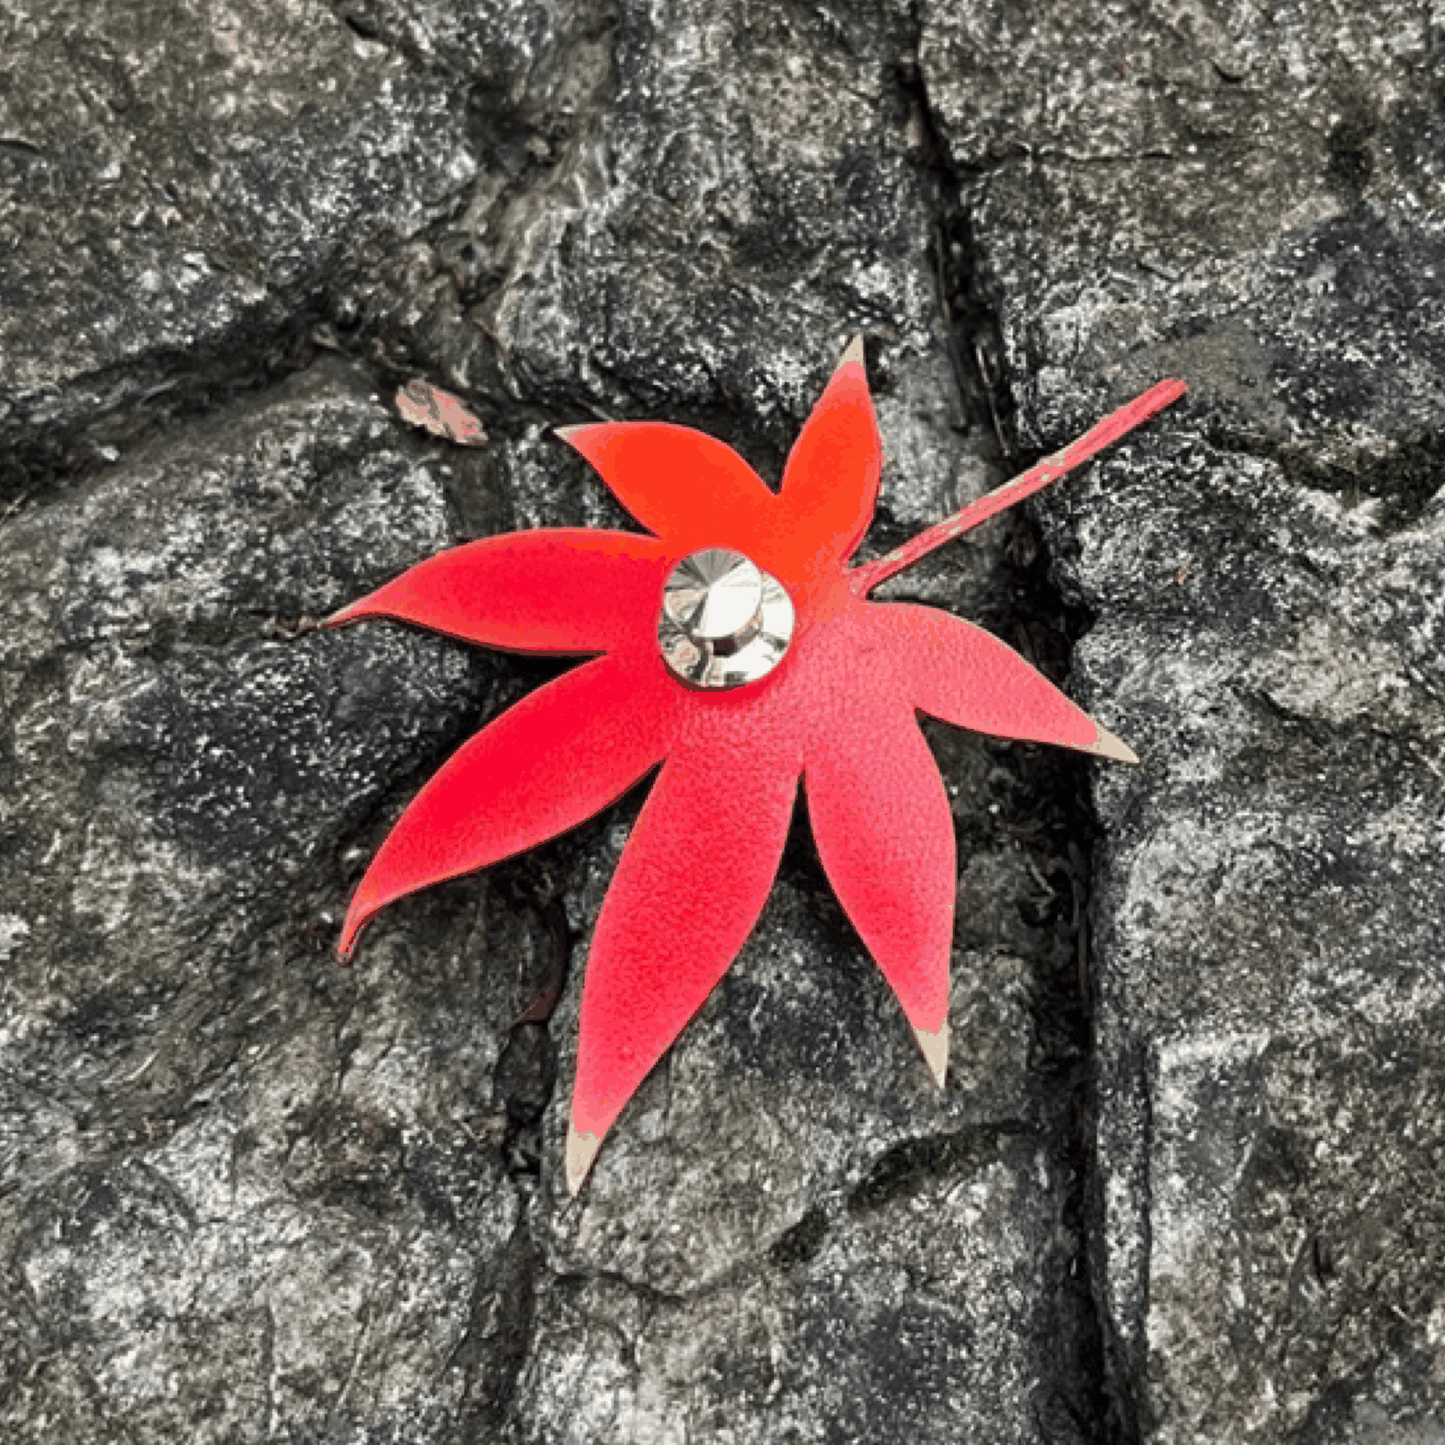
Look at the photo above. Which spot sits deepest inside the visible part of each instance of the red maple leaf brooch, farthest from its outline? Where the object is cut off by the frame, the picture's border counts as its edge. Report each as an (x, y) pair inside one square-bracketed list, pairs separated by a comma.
[(736, 647)]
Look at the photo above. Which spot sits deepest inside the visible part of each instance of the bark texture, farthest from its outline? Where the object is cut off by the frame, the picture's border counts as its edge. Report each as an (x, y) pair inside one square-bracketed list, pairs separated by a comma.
[(1185, 1183)]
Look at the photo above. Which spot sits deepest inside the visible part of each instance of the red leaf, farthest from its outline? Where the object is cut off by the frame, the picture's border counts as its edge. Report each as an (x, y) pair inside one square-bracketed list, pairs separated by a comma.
[(692, 490), (703, 854), (546, 591), (884, 831), (559, 756), (967, 677), (830, 486)]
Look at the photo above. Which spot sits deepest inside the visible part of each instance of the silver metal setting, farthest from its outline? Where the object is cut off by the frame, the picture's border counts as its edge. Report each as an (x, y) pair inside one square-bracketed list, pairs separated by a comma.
[(725, 622)]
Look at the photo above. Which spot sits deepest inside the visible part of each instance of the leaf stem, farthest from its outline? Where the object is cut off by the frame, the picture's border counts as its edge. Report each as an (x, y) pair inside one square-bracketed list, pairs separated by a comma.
[(865, 578)]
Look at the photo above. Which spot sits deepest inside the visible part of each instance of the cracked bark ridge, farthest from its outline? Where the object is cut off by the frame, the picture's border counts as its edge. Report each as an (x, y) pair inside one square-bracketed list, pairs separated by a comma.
[(1254, 204), (1269, 1003)]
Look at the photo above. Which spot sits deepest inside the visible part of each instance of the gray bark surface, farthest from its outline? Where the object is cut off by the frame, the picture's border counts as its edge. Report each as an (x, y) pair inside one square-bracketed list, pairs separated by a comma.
[(1184, 1184)]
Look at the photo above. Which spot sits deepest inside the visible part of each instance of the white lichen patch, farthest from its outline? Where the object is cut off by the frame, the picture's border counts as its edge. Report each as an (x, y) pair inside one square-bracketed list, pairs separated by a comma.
[(14, 930), (1335, 672)]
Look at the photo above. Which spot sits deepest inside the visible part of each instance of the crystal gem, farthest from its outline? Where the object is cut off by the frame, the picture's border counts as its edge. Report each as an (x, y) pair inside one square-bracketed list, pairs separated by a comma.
[(725, 622)]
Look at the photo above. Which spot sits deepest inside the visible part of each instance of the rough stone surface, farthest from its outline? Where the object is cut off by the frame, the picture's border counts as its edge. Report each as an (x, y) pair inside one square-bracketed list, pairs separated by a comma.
[(181, 181), (1183, 1185), (1269, 992), (1253, 202)]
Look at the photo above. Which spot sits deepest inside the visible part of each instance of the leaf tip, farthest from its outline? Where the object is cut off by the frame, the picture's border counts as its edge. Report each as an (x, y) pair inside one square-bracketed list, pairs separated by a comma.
[(582, 1149), (350, 613), (935, 1050), (1106, 745), (356, 920), (585, 438)]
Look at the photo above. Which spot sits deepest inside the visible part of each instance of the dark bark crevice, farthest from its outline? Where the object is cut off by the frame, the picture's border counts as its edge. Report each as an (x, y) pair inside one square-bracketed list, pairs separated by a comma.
[(1052, 814)]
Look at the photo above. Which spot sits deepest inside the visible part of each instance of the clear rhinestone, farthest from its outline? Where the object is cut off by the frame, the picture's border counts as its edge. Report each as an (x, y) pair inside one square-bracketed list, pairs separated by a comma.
[(713, 594), (725, 622)]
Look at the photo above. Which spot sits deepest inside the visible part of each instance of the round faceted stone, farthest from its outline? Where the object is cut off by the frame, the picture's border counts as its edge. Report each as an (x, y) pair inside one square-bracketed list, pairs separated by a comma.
[(725, 622), (713, 594)]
